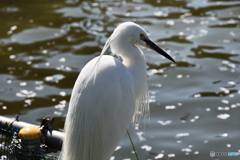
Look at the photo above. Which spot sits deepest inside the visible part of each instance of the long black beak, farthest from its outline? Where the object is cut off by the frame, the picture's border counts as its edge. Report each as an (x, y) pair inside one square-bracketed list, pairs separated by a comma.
[(154, 47)]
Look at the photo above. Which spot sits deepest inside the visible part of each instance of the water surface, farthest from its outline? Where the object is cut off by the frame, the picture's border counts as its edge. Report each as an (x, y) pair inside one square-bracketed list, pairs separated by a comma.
[(195, 103)]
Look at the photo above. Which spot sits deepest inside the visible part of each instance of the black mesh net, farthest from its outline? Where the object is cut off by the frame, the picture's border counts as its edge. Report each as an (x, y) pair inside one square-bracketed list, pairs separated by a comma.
[(11, 148)]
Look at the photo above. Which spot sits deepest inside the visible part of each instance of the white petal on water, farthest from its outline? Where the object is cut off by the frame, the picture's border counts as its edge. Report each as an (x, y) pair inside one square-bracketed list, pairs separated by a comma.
[(117, 148), (61, 105), (203, 32), (232, 83), (62, 59), (171, 155), (181, 135), (223, 116), (208, 109), (28, 101), (156, 84), (62, 93), (146, 147), (13, 28), (186, 150), (225, 101), (140, 136), (12, 56), (197, 95), (44, 51), (223, 108), (158, 13), (39, 88), (196, 117), (152, 72), (192, 120), (170, 107), (47, 64), (232, 33), (38, 82), (223, 135), (179, 76), (189, 37), (26, 93), (57, 113), (159, 156), (206, 141), (170, 22), (188, 21), (181, 33), (164, 123), (23, 83), (48, 78), (54, 78), (178, 141), (112, 158), (223, 68)]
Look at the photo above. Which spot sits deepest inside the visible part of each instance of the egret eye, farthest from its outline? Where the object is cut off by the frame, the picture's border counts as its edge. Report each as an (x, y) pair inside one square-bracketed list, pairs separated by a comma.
[(142, 36)]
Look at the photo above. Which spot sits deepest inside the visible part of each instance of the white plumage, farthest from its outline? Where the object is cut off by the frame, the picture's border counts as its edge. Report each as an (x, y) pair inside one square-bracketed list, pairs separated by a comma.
[(108, 94)]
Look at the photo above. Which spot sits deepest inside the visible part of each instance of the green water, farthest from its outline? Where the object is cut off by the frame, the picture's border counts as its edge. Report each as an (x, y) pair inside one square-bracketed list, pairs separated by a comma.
[(195, 103)]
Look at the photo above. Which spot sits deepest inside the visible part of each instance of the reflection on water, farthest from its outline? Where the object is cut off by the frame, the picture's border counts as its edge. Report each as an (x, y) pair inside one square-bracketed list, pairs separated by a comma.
[(195, 106)]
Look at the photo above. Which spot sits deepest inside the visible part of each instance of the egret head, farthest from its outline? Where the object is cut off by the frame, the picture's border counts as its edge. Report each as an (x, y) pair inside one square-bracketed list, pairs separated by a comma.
[(134, 34)]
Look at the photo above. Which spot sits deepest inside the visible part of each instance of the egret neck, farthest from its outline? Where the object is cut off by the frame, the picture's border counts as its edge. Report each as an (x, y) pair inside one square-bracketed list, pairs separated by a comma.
[(134, 60)]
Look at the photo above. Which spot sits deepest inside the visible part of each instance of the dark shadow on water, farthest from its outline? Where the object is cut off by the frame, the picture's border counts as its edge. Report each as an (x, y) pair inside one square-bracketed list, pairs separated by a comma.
[(200, 52)]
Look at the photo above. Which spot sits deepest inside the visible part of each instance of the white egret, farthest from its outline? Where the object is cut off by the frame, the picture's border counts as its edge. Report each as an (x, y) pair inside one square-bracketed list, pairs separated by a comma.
[(107, 95)]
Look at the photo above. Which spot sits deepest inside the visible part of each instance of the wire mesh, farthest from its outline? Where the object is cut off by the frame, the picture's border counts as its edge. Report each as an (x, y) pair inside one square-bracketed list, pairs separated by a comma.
[(11, 148)]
